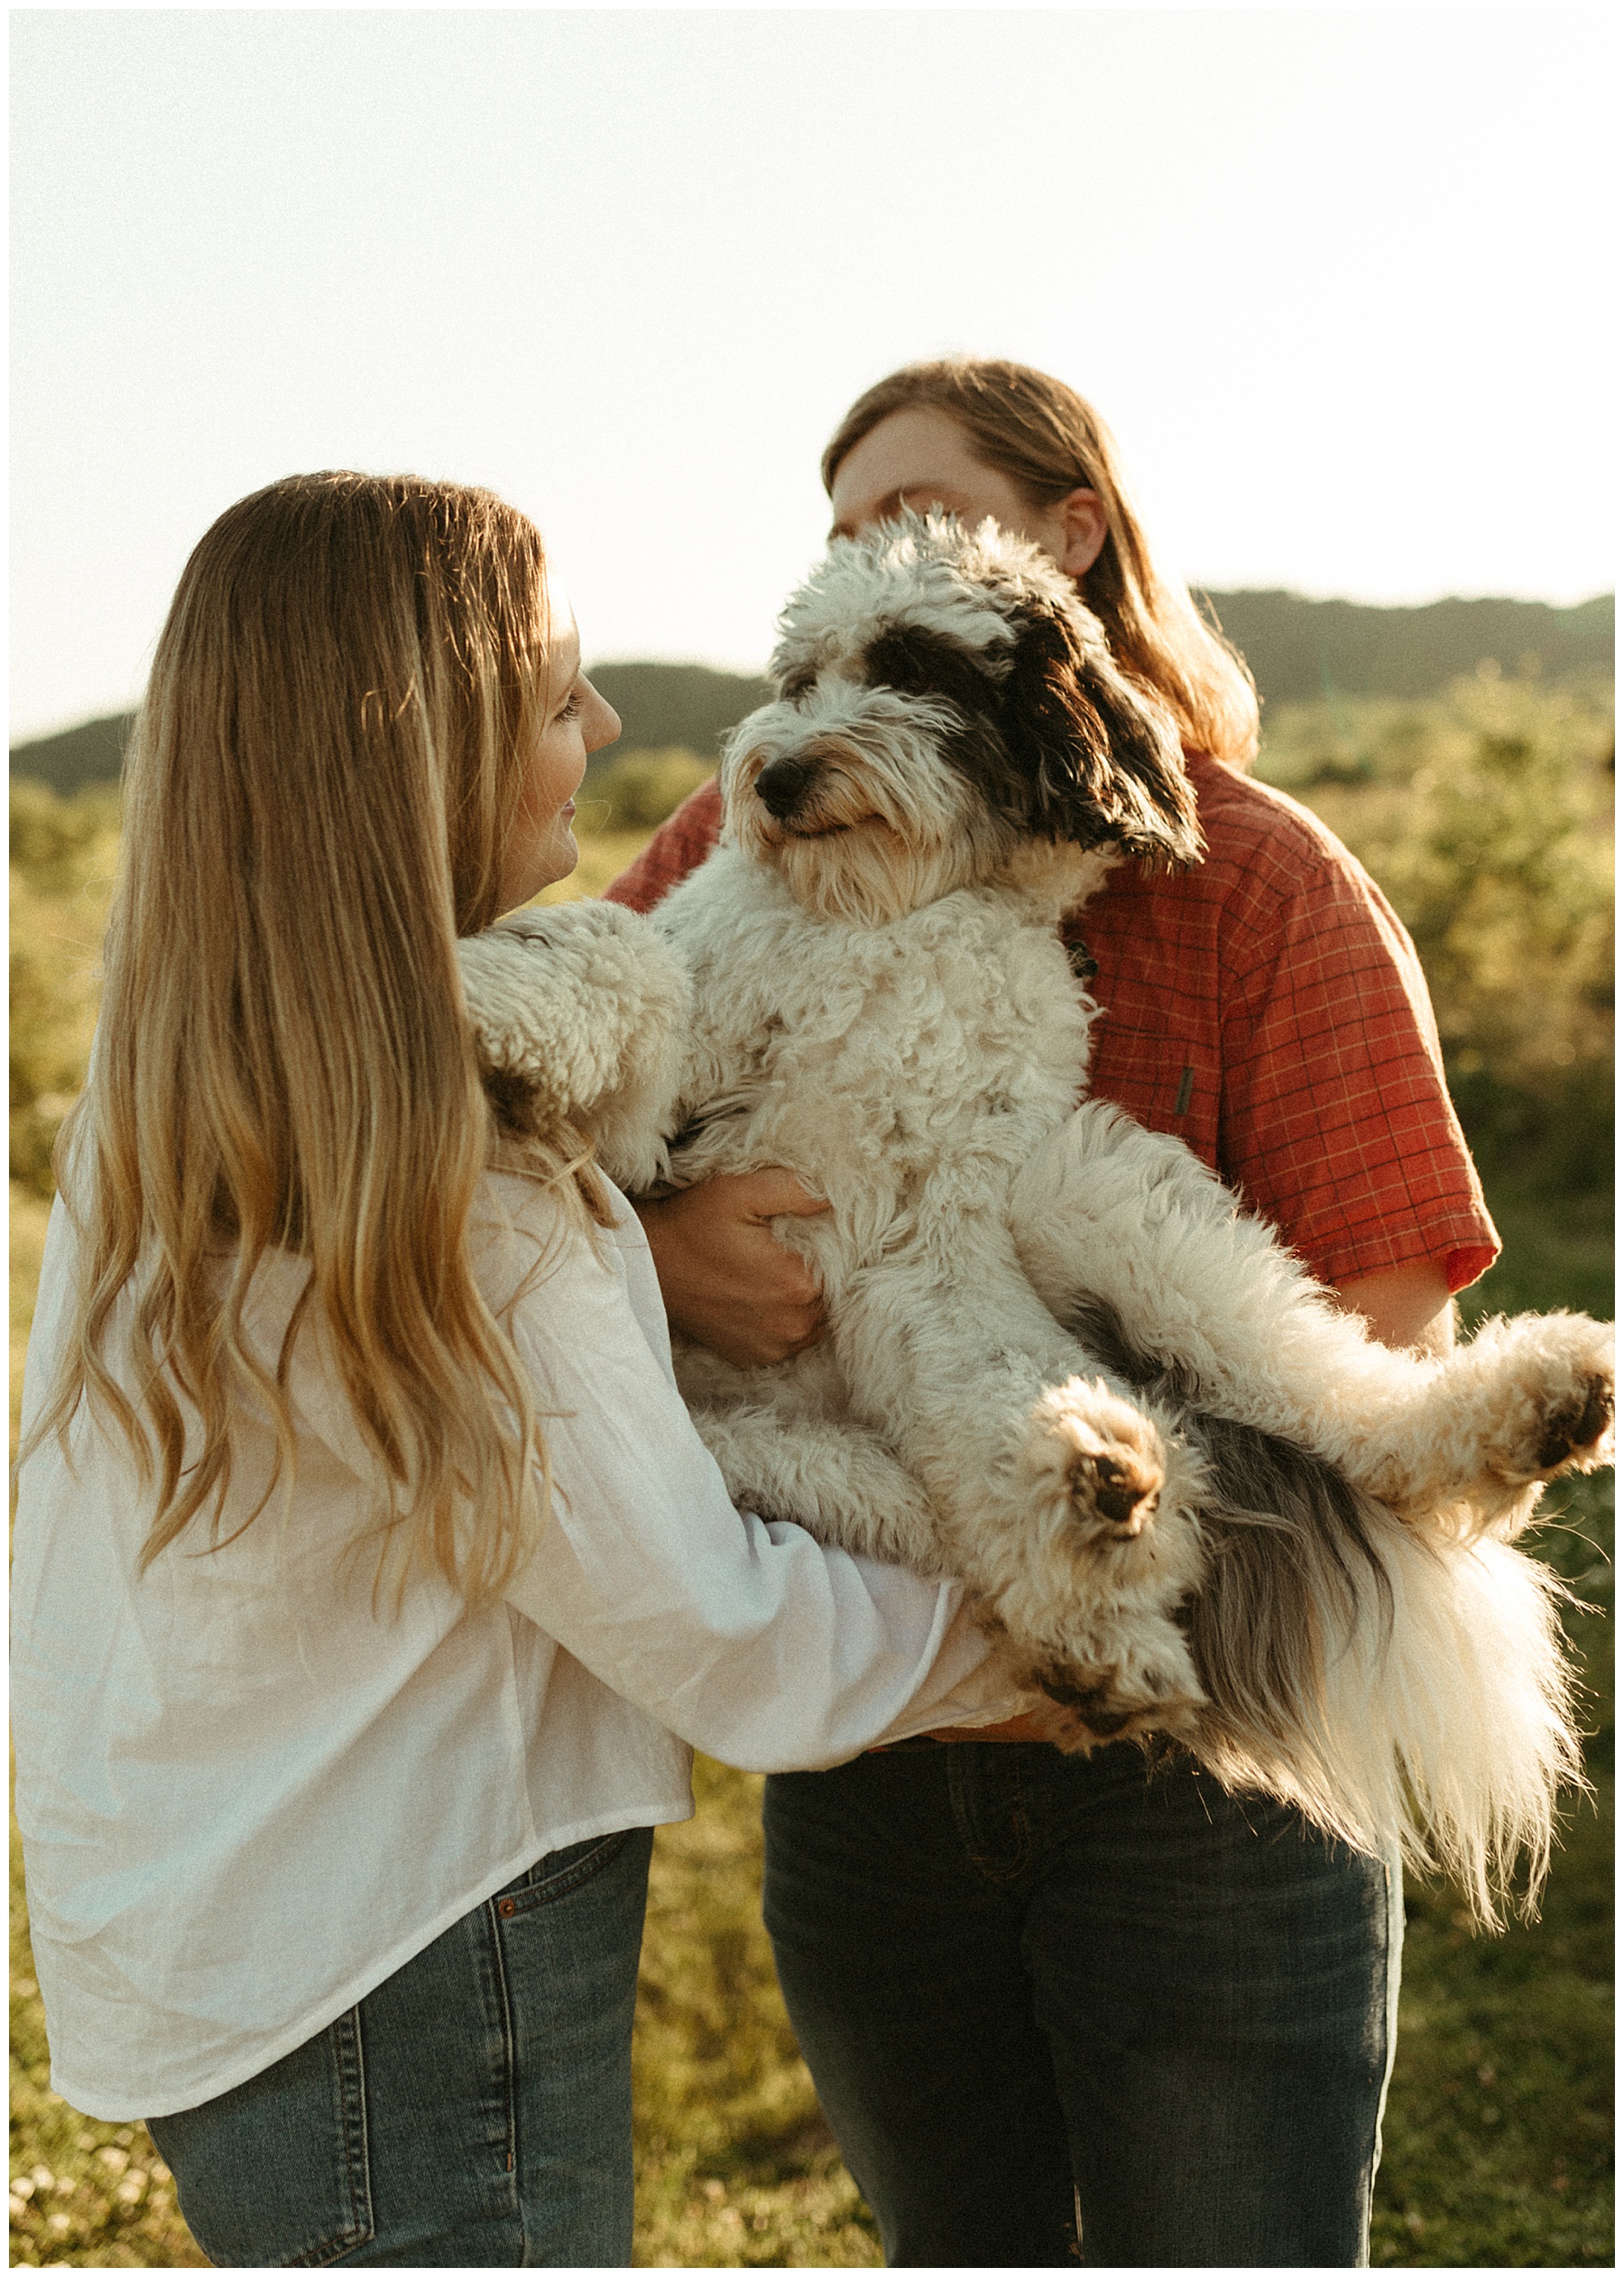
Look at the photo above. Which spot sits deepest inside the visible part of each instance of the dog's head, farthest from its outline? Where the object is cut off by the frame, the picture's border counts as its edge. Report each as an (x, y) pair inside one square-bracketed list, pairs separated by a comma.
[(945, 699)]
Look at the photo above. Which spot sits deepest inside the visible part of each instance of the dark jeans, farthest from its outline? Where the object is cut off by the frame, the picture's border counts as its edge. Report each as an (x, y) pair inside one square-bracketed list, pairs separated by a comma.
[(473, 2112), (1018, 1976)]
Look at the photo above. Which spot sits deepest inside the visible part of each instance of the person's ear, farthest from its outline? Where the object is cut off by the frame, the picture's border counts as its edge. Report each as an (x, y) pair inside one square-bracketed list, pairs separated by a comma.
[(1084, 529)]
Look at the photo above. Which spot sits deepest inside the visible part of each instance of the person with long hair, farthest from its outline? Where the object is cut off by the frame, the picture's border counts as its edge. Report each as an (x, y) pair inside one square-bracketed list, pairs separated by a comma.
[(1062, 2005), (371, 1584)]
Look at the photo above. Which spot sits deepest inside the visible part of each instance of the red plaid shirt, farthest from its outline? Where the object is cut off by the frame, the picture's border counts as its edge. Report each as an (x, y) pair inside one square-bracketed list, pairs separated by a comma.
[(1267, 1008)]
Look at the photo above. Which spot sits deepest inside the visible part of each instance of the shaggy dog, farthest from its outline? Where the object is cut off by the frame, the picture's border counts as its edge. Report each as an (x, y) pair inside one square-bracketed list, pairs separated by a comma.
[(1197, 1498)]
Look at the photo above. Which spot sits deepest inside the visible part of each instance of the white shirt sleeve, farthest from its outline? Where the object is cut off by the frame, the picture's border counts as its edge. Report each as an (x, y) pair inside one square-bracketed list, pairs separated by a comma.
[(746, 1638)]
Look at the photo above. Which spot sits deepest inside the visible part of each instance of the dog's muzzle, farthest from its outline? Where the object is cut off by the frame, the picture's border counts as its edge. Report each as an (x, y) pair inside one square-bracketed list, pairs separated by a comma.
[(782, 785)]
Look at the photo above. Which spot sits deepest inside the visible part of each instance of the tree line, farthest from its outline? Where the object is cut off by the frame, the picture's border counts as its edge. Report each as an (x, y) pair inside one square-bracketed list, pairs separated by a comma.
[(1300, 651)]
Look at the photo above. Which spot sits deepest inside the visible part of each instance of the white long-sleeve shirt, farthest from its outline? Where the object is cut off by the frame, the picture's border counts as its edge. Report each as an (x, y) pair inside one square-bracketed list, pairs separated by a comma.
[(247, 1798)]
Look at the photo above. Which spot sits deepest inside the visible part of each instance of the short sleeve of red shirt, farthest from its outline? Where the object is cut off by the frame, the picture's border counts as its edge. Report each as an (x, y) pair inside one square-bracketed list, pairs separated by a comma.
[(1267, 1008)]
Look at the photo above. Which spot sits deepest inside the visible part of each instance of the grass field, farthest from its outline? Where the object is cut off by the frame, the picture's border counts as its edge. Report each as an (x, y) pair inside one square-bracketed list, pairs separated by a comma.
[(1499, 2123)]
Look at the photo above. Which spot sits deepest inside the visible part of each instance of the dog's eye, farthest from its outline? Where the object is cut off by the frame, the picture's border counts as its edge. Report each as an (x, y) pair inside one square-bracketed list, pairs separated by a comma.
[(917, 661)]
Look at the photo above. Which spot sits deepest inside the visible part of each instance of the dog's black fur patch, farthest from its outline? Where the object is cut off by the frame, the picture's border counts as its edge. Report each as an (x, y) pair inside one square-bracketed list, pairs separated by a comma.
[(1578, 1424), (1104, 755), (916, 660), (1056, 741)]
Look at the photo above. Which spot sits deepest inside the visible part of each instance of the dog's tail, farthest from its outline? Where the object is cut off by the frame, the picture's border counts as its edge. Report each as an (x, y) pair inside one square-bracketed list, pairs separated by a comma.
[(1393, 1687), (1397, 1686)]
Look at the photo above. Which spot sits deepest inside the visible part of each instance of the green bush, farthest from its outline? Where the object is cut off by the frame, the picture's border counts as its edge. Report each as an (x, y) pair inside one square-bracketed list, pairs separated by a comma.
[(1486, 817), (61, 844), (64, 852), (1485, 814), (636, 790)]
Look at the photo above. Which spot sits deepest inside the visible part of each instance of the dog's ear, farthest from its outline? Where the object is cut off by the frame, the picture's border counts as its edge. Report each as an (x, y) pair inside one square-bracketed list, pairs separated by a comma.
[(1101, 754)]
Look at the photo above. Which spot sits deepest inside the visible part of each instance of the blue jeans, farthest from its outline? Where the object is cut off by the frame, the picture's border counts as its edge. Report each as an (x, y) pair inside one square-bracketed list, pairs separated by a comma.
[(473, 2112), (1037, 1989)]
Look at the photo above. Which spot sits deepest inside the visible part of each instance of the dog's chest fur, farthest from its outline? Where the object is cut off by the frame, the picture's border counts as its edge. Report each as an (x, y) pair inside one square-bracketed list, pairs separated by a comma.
[(910, 1067)]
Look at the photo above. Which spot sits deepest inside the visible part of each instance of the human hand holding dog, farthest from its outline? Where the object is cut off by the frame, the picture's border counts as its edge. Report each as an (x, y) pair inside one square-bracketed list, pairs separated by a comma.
[(728, 1283)]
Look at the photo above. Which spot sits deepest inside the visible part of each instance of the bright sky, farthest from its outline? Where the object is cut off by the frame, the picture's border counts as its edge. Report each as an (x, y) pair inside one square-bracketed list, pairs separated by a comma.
[(1337, 278)]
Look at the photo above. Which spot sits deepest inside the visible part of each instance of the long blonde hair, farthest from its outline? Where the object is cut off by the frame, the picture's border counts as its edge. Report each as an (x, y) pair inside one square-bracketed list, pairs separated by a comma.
[(329, 756), (1048, 442)]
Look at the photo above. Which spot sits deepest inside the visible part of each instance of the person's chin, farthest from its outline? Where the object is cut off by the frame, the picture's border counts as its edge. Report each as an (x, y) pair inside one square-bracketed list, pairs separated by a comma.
[(566, 856)]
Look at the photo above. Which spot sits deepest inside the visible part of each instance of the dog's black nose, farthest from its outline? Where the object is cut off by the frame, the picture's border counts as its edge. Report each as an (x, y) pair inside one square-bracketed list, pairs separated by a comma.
[(781, 786)]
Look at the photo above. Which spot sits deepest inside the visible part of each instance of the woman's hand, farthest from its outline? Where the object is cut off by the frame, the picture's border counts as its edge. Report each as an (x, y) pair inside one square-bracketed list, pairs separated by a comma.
[(727, 1282)]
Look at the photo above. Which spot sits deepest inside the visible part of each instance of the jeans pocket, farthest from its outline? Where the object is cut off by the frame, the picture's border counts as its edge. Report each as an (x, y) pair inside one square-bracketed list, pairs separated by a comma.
[(274, 2174), (559, 1871)]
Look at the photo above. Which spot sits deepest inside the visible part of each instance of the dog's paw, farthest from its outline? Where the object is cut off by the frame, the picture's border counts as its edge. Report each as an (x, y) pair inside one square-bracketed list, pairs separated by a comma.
[(1089, 1451), (1579, 1431), (1118, 1490), (1153, 1687), (1557, 1412), (582, 1012)]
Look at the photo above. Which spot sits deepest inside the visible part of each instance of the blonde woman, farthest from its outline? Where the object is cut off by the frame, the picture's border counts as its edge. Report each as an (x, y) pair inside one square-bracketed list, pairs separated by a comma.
[(1054, 2008), (371, 1586)]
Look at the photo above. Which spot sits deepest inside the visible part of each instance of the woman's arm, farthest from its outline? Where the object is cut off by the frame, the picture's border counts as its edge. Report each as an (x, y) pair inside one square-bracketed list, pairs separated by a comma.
[(749, 1639), (1408, 1308)]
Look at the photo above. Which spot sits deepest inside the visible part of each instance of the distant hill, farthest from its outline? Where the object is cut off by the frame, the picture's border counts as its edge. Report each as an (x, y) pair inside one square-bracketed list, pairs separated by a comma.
[(79, 755), (1299, 650), (663, 704), (660, 706)]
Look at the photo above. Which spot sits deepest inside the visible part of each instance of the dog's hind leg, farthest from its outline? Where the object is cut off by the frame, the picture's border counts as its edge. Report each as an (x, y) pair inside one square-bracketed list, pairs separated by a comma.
[(840, 1481), (1108, 1211), (1526, 1400)]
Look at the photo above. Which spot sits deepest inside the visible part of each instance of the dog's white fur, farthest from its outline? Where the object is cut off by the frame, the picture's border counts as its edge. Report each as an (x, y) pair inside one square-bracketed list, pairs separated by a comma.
[(881, 1003), (604, 1012)]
